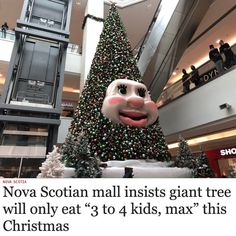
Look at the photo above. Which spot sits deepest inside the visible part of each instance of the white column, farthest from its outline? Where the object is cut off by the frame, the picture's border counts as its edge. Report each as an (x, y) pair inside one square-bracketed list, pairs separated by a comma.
[(91, 35)]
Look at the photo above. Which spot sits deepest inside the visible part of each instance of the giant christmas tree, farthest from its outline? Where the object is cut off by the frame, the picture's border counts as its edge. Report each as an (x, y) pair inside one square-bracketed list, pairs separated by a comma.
[(108, 141)]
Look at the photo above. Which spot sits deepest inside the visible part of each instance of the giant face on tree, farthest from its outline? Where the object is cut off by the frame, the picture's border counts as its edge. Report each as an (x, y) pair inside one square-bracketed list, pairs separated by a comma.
[(128, 102)]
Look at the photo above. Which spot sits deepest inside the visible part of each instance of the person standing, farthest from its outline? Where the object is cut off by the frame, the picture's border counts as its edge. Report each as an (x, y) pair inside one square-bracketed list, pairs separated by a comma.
[(229, 55), (215, 56), (194, 76), (185, 81), (4, 29)]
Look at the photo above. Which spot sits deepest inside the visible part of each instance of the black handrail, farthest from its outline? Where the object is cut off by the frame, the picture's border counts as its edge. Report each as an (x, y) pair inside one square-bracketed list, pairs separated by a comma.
[(148, 31)]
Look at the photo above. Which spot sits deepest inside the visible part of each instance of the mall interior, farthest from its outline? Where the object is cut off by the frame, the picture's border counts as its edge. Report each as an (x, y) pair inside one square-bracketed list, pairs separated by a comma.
[(56, 40)]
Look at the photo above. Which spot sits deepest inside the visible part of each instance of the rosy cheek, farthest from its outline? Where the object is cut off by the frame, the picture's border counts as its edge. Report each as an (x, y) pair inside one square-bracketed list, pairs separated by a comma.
[(115, 100), (151, 105)]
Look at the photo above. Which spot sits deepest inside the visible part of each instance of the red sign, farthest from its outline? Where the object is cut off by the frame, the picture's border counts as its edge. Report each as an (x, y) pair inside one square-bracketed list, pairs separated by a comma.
[(214, 155)]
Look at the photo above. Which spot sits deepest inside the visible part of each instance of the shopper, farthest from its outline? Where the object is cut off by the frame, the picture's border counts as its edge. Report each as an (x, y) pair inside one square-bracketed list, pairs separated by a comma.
[(194, 76), (229, 55), (185, 81), (215, 56), (4, 29)]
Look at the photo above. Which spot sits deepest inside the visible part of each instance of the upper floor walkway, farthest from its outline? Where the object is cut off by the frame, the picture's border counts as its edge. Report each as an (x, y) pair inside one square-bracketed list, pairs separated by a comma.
[(73, 57), (207, 110)]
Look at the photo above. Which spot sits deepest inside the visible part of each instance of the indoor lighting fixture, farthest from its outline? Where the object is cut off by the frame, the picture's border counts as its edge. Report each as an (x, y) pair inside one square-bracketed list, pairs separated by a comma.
[(70, 90), (76, 91), (2, 80), (206, 138)]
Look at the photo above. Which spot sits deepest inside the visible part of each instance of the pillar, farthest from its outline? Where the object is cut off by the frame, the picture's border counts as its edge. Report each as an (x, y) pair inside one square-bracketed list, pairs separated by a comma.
[(92, 29)]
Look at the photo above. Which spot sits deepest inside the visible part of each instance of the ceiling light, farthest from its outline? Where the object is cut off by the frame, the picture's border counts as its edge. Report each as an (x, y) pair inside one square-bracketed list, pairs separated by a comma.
[(206, 138), (2, 80), (70, 90), (173, 145), (76, 91), (174, 73)]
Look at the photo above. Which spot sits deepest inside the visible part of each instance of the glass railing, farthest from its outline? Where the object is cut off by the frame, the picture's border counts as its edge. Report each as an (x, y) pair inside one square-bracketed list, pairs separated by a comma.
[(9, 35), (74, 48), (207, 73)]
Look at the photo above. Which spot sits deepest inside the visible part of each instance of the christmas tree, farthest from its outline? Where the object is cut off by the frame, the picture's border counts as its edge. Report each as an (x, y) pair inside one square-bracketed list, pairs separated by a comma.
[(232, 172), (86, 165), (68, 152), (184, 156), (202, 168), (108, 141), (52, 167)]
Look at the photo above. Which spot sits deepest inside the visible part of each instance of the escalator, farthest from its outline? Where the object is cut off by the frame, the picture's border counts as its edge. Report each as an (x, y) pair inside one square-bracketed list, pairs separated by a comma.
[(168, 39)]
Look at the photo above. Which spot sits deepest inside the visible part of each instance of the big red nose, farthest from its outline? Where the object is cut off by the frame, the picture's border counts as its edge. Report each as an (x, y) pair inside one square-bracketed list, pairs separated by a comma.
[(135, 102)]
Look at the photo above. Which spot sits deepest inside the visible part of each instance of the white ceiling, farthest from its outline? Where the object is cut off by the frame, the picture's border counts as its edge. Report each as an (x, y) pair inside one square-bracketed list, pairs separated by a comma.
[(123, 3), (136, 19)]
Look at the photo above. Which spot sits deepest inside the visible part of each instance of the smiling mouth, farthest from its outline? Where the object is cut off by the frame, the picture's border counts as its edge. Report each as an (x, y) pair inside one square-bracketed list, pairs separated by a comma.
[(133, 118), (133, 115)]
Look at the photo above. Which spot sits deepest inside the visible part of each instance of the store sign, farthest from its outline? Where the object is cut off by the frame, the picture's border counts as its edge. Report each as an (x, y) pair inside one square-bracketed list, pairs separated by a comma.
[(229, 151), (209, 75), (217, 154), (222, 152)]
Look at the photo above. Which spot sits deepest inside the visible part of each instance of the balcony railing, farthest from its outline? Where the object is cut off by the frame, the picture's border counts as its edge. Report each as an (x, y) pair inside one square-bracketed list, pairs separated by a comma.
[(207, 73), (10, 35)]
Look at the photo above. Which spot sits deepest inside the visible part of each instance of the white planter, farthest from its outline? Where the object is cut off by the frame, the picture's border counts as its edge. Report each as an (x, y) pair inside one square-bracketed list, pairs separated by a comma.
[(145, 169), (69, 172)]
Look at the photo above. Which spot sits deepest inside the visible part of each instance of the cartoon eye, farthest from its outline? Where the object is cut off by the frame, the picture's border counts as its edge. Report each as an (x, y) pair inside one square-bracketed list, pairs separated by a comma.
[(141, 92), (122, 89)]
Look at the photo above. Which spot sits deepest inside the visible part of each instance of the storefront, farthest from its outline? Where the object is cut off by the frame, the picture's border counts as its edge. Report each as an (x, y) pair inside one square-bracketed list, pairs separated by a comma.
[(222, 160), (20, 168)]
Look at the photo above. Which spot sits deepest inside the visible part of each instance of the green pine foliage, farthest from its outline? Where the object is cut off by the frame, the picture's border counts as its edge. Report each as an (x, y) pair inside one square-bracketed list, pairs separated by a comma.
[(232, 172), (114, 60), (184, 156), (86, 165), (202, 168), (163, 152), (198, 164), (68, 151), (88, 168)]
